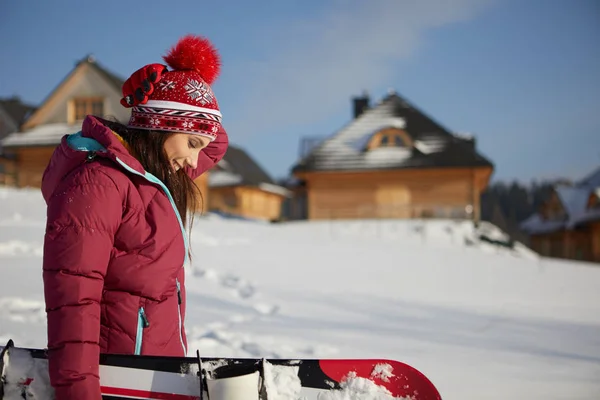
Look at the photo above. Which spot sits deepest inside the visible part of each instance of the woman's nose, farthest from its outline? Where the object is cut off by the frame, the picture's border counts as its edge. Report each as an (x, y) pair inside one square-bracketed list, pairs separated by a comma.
[(192, 161)]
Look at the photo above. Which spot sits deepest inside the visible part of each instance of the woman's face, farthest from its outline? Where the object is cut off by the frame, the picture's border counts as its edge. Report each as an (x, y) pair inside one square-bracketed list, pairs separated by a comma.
[(183, 149)]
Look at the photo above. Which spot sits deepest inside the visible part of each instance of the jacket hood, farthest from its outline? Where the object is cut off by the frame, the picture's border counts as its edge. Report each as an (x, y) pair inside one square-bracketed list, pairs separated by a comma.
[(74, 149)]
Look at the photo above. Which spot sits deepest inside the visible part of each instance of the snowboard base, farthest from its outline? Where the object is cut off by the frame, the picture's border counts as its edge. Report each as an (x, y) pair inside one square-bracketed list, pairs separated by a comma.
[(24, 374)]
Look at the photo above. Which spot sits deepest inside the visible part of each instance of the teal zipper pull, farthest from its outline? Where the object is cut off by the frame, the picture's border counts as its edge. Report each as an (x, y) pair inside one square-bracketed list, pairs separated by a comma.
[(145, 322)]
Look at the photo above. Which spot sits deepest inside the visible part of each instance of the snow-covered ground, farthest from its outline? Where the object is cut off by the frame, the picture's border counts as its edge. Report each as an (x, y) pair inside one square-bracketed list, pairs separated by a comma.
[(482, 322)]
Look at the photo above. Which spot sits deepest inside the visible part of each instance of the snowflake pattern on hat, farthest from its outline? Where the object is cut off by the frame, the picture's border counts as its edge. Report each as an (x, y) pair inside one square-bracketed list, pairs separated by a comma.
[(198, 91), (166, 85)]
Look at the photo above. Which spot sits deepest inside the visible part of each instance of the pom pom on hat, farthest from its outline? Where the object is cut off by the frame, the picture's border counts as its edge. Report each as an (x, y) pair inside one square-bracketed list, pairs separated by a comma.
[(197, 54)]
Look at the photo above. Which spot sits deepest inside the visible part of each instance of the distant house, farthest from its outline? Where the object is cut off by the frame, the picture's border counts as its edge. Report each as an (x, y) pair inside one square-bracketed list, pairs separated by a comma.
[(13, 113), (239, 186), (390, 161), (567, 225), (88, 88)]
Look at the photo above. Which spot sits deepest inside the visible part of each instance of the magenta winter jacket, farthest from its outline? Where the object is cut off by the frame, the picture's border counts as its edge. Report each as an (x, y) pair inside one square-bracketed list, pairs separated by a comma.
[(113, 258)]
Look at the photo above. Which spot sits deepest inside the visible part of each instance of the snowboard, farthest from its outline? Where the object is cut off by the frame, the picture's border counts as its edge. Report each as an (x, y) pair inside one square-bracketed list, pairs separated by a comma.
[(24, 376)]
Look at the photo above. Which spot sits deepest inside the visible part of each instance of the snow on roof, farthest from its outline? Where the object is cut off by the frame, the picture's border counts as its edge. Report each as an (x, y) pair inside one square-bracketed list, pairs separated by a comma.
[(42, 135), (226, 178), (383, 156), (592, 180), (535, 224), (574, 200), (280, 190), (223, 178), (430, 145), (346, 149)]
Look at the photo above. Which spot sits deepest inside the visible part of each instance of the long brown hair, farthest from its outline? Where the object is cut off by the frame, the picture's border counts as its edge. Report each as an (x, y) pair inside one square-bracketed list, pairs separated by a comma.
[(148, 148)]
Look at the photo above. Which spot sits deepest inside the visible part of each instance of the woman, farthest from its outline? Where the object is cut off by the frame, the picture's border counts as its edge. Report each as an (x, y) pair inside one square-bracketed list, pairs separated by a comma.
[(119, 199)]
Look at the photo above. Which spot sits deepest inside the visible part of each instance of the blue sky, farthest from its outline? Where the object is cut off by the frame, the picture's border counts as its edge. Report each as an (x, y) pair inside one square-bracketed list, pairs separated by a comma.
[(521, 75)]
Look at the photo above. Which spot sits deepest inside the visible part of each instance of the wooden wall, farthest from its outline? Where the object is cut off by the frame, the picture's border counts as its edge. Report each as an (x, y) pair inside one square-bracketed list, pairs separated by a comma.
[(30, 165), (203, 202), (595, 239), (7, 176), (582, 243), (246, 201), (396, 194)]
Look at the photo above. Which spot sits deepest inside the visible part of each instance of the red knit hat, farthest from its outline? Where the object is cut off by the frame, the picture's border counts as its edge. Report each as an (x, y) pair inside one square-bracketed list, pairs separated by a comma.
[(180, 100)]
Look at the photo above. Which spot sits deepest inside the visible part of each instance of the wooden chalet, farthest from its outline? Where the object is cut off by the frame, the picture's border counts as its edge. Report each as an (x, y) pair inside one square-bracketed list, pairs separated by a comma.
[(13, 113), (88, 89), (240, 187), (567, 224), (390, 161)]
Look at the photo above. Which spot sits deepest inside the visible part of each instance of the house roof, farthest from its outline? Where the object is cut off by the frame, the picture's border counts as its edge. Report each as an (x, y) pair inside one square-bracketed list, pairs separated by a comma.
[(433, 145), (591, 180), (16, 109), (574, 200), (111, 77), (41, 135), (50, 134), (237, 168), (90, 60)]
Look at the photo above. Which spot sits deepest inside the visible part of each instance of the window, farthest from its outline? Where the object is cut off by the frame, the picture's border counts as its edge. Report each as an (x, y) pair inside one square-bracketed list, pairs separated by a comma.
[(390, 137), (86, 106), (594, 200)]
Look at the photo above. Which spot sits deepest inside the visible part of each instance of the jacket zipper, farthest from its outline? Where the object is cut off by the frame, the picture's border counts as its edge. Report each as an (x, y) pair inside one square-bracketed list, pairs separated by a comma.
[(157, 181), (143, 323), (179, 301)]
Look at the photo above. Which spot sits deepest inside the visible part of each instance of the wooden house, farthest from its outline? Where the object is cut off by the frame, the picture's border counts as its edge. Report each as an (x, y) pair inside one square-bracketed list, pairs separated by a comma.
[(390, 161), (13, 113), (88, 89), (239, 186), (567, 224)]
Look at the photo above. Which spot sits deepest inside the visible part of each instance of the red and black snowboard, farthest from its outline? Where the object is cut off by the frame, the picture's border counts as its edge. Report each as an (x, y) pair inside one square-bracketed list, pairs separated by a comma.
[(24, 373)]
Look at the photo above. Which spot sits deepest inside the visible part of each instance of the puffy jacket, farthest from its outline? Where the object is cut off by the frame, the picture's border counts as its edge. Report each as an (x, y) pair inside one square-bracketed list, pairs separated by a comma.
[(114, 251)]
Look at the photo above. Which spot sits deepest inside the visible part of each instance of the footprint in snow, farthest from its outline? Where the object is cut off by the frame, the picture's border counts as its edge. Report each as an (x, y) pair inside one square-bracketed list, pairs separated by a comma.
[(240, 287), (266, 309)]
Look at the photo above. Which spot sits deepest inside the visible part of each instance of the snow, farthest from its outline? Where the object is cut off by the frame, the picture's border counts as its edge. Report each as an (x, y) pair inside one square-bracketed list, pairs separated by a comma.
[(383, 372), (480, 320), (386, 155), (223, 178), (47, 134), (276, 189), (21, 364), (354, 387), (282, 382), (430, 145)]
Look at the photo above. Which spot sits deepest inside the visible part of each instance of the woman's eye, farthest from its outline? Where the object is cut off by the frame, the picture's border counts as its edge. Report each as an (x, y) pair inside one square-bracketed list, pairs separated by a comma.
[(192, 144)]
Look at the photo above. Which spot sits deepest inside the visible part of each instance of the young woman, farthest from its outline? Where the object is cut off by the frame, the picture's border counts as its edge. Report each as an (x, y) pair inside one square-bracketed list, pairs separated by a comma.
[(120, 198)]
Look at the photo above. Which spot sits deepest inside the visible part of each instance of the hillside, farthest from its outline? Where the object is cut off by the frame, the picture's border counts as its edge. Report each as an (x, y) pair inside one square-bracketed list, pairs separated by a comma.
[(480, 320)]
